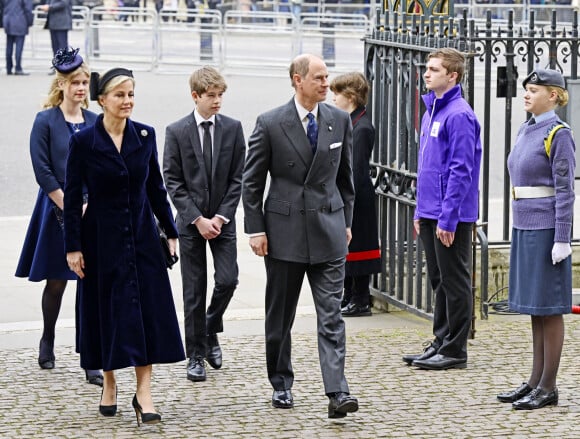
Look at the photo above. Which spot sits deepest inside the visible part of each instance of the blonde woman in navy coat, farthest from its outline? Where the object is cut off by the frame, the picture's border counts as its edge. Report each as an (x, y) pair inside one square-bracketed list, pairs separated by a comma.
[(126, 313), (43, 256)]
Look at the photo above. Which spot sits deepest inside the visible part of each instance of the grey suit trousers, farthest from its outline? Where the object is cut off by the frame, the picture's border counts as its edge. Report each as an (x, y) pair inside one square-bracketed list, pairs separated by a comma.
[(283, 284)]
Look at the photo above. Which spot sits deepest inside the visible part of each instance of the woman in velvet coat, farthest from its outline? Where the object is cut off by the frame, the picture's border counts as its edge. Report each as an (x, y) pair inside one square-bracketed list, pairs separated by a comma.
[(126, 312), (43, 257), (364, 257)]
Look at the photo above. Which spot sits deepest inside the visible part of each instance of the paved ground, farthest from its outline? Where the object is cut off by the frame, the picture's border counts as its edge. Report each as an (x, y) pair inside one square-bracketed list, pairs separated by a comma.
[(395, 400)]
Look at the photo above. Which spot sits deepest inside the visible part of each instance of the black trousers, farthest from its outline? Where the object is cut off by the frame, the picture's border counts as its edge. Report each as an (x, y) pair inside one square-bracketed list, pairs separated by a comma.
[(357, 289), (449, 271), (283, 284), (199, 322)]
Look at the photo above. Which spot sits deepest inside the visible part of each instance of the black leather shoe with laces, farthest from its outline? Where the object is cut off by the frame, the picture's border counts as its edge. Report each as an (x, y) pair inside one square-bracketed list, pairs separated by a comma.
[(196, 369), (355, 310), (341, 403), (214, 352), (537, 399), (428, 352), (282, 399), (441, 362), (514, 395)]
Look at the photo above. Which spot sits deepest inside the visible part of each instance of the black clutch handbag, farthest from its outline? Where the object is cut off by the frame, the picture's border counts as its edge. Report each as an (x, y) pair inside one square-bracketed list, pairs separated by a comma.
[(170, 260)]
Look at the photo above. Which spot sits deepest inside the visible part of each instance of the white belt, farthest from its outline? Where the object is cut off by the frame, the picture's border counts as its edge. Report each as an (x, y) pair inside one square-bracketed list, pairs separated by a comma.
[(519, 192)]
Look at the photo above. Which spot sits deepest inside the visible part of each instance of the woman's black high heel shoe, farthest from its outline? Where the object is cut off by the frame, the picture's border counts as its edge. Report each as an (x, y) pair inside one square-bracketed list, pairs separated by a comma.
[(94, 377), (146, 418), (108, 410), (46, 355)]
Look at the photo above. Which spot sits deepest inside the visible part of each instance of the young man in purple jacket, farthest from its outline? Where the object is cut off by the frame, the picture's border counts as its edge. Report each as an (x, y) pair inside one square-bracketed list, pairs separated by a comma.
[(447, 206)]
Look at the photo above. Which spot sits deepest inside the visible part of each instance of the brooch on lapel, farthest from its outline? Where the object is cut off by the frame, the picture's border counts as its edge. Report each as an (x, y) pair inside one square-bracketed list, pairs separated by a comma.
[(144, 133), (329, 128)]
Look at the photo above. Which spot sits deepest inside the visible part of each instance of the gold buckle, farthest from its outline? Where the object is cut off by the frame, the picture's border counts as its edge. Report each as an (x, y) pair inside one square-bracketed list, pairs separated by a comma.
[(514, 193)]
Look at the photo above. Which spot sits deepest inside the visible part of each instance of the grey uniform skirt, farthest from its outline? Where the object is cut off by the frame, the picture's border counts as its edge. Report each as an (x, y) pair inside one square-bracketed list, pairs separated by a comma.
[(536, 286)]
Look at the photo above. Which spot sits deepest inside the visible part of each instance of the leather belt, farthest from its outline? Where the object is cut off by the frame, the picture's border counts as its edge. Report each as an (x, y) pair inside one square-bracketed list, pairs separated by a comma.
[(519, 192)]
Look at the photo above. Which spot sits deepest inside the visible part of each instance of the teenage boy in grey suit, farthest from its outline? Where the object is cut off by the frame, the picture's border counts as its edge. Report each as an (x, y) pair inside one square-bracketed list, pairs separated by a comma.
[(202, 165), (303, 227)]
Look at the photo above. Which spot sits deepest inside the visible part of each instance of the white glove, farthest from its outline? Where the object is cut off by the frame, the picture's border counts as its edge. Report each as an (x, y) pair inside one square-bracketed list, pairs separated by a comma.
[(560, 251)]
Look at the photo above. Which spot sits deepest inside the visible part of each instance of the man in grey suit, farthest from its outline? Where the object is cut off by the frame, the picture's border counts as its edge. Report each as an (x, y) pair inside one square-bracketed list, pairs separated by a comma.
[(58, 21), (303, 226), (202, 165)]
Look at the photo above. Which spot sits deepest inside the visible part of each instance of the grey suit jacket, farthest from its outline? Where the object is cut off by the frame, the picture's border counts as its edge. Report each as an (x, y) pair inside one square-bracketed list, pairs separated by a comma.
[(185, 177), (310, 198), (59, 15)]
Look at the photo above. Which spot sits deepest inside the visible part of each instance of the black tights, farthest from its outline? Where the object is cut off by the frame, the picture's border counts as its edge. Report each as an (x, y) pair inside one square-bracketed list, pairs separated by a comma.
[(547, 339), (51, 301)]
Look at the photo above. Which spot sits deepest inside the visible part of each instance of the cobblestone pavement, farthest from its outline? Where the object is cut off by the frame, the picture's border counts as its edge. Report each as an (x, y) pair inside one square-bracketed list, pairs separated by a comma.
[(395, 400)]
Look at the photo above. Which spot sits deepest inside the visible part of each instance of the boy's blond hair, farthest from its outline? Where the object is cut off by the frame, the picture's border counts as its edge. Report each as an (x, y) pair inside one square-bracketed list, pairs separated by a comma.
[(203, 79)]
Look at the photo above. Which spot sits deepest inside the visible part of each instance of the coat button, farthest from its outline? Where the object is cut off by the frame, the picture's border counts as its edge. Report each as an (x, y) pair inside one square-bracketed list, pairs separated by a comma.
[(301, 211)]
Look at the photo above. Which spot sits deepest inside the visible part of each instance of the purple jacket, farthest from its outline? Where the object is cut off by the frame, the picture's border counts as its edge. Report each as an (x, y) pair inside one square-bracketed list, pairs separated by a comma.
[(449, 161)]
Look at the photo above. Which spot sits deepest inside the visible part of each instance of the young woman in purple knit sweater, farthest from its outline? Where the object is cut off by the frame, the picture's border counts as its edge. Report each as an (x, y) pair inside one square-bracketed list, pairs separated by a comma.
[(540, 264)]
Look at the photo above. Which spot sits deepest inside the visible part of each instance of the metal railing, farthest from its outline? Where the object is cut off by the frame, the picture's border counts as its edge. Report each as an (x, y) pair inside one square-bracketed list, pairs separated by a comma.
[(170, 40)]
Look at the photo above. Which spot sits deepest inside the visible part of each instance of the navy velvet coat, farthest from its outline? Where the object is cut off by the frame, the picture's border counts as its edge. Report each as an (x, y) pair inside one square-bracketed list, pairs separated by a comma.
[(126, 314)]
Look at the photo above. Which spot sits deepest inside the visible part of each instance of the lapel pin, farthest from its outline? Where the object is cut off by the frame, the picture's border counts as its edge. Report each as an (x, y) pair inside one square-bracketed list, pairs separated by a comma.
[(144, 133), (329, 128)]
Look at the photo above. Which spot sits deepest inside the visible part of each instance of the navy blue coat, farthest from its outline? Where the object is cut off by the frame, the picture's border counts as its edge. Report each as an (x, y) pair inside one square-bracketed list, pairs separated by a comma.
[(126, 314), (43, 254), (14, 18)]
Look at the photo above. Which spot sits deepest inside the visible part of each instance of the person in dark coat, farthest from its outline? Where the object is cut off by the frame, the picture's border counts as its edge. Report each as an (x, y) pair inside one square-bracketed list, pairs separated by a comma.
[(126, 314), (43, 256), (364, 256), (58, 22), (16, 28)]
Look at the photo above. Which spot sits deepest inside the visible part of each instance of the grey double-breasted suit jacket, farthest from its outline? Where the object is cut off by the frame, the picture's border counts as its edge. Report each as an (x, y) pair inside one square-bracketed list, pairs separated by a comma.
[(310, 199)]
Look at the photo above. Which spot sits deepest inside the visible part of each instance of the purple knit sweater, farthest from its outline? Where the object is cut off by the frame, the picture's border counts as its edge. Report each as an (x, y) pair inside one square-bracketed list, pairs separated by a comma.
[(528, 165)]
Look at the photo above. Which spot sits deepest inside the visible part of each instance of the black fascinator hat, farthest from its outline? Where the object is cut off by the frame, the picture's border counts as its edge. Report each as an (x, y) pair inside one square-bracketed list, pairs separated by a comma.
[(66, 60), (98, 82)]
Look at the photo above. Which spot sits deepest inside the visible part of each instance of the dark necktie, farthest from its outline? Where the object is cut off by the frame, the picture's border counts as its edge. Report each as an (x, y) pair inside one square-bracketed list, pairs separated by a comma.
[(531, 121), (207, 151), (312, 132)]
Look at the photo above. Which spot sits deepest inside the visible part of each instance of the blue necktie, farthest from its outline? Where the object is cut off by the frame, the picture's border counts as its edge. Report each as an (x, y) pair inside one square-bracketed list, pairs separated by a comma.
[(312, 132)]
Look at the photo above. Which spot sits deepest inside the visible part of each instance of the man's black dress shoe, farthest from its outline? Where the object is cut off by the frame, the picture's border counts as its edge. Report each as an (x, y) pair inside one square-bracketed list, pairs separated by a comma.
[(428, 352), (340, 404), (514, 395), (355, 310), (441, 362), (282, 399), (214, 352), (537, 399), (196, 369)]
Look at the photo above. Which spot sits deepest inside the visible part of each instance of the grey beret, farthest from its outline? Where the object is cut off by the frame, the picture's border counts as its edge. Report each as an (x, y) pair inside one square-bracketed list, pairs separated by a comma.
[(545, 77)]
